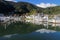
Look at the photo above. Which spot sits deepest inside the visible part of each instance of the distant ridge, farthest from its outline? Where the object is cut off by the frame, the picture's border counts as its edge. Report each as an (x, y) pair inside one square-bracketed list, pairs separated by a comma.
[(7, 7)]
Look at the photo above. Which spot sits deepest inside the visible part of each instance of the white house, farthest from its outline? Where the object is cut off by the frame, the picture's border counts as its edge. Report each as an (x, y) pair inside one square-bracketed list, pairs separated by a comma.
[(37, 19), (55, 21), (4, 19)]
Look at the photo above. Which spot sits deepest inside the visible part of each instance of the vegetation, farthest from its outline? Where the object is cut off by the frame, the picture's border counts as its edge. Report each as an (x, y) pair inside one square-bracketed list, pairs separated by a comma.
[(52, 10), (9, 7), (6, 8)]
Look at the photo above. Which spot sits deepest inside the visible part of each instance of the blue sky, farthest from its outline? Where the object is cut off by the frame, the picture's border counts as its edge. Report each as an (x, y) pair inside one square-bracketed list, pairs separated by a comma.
[(40, 1)]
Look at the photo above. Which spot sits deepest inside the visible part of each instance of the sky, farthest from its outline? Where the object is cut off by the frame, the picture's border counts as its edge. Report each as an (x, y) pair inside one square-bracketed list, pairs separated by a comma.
[(41, 3)]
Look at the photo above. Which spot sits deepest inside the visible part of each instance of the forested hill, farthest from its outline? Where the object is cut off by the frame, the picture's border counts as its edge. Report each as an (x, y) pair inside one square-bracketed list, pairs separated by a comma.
[(5, 7), (24, 7), (52, 10)]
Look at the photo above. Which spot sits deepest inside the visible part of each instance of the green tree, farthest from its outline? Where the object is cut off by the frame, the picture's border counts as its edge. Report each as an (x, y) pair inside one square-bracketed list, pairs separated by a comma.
[(33, 12)]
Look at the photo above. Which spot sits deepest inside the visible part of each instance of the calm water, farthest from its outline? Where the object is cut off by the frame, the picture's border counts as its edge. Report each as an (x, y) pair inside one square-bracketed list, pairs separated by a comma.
[(41, 34), (45, 23)]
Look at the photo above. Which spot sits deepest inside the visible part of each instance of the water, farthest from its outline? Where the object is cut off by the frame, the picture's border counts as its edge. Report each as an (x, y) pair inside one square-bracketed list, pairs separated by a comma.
[(41, 34), (46, 23)]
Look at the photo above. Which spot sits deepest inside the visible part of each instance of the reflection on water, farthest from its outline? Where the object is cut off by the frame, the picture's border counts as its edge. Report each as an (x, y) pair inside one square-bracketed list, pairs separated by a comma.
[(11, 33), (42, 34), (45, 23)]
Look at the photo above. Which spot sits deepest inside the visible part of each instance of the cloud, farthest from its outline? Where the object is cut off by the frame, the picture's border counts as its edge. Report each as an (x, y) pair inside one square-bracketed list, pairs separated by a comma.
[(11, 0), (45, 5)]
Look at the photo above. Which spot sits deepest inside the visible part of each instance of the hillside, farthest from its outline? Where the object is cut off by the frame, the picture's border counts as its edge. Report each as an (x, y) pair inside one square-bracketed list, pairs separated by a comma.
[(25, 7), (52, 10), (7, 7)]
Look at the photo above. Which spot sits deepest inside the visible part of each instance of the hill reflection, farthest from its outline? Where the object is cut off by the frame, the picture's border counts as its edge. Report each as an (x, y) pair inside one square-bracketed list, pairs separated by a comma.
[(36, 35)]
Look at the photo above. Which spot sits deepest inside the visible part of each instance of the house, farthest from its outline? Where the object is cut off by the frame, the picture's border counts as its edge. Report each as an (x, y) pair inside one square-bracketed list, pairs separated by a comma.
[(55, 21), (4, 19), (37, 19)]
